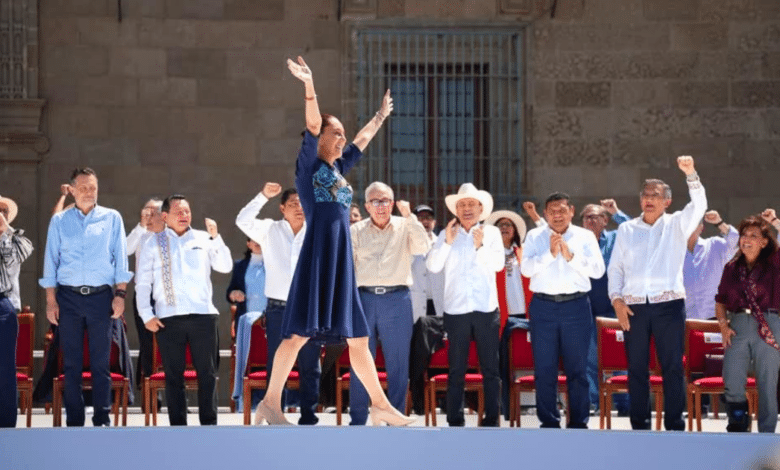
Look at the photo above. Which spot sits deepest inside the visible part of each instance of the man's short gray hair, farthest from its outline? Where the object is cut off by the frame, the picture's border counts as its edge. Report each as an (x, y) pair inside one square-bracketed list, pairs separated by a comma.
[(665, 188), (379, 186)]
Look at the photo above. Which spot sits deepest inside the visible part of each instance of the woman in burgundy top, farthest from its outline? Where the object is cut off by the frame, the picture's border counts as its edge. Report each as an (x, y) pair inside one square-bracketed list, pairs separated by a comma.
[(746, 308)]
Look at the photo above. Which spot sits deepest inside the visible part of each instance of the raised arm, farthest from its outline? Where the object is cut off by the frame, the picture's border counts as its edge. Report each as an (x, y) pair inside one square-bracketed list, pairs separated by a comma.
[(369, 130), (694, 211), (302, 72)]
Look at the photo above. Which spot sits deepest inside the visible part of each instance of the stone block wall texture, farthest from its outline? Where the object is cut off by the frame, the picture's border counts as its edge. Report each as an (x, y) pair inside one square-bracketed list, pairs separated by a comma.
[(193, 96)]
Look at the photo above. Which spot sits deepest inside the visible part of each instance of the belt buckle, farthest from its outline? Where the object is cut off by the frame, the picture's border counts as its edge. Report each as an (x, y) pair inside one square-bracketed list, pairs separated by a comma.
[(84, 290), (380, 290)]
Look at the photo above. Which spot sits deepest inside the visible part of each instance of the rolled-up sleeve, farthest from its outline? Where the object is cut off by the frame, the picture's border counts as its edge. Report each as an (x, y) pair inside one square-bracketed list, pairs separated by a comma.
[(118, 247), (51, 256)]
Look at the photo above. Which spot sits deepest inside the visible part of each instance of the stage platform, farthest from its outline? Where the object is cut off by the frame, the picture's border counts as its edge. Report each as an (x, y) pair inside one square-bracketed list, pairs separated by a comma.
[(378, 448)]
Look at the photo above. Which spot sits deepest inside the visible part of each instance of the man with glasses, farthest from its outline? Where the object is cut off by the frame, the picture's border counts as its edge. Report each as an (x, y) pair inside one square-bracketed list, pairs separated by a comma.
[(383, 249), (280, 242), (647, 291)]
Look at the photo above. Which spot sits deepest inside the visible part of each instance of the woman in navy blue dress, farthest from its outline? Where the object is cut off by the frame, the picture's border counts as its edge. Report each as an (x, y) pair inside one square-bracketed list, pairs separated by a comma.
[(323, 302)]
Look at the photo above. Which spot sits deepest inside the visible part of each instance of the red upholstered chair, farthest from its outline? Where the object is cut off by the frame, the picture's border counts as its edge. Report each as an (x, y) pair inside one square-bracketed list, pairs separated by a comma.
[(521, 358), (24, 361), (703, 337), (612, 358), (438, 362), (156, 381), (473, 383), (120, 385), (256, 375), (232, 356)]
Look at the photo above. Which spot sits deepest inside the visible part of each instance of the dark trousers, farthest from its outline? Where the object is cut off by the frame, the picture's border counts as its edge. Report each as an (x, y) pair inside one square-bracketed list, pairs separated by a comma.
[(483, 328), (389, 319), (200, 332), (90, 313), (309, 366), (561, 330), (9, 330), (665, 322), (145, 345)]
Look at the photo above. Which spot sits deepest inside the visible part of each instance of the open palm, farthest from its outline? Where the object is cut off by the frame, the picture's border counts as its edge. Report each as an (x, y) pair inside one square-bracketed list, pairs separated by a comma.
[(300, 70)]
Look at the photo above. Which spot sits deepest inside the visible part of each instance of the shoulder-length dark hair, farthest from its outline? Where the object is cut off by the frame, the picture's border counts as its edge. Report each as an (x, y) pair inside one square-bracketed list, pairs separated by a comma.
[(770, 248)]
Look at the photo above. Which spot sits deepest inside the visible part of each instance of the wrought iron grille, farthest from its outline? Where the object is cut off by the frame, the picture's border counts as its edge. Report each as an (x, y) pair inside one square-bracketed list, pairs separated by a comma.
[(13, 49), (458, 114)]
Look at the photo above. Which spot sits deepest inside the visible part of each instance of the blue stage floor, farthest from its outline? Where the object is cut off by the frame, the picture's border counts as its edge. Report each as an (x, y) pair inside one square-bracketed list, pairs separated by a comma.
[(331, 447)]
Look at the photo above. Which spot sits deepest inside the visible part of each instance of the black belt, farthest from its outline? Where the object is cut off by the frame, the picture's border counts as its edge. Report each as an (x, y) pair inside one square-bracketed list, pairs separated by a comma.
[(560, 297), (86, 290), (747, 311), (380, 290), (277, 303)]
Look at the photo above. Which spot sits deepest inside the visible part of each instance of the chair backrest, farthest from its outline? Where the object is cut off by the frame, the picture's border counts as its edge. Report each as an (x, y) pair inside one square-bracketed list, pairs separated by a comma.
[(701, 338), (439, 358), (612, 350), (521, 355), (342, 363), (25, 341), (258, 347), (473, 360), (158, 365)]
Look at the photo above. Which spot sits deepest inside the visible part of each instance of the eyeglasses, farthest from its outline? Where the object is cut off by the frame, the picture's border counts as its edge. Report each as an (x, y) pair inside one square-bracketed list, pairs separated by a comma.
[(381, 202)]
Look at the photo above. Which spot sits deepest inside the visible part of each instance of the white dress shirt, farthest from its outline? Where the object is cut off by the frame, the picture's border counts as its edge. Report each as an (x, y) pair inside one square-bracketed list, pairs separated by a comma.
[(281, 247), (192, 257), (647, 260), (469, 274), (554, 275), (426, 285), (135, 240)]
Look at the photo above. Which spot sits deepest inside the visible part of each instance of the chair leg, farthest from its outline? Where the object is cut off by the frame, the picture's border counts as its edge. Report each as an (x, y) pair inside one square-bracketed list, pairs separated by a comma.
[(697, 409), (714, 403), (689, 405), (146, 401), (125, 398), (608, 407), (153, 393), (659, 410), (511, 406), (481, 406), (426, 403), (29, 405), (115, 406), (246, 401), (339, 401), (432, 398), (56, 404), (568, 413), (601, 407)]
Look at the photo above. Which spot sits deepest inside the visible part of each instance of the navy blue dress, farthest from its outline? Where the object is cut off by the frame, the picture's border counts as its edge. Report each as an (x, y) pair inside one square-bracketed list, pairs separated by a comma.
[(323, 303)]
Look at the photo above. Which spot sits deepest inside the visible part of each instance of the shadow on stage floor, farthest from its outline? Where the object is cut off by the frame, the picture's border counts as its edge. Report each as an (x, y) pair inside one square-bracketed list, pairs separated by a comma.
[(330, 447)]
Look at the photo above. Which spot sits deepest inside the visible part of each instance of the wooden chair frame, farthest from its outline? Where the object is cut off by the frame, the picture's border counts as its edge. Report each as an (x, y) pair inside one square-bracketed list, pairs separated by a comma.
[(24, 363), (438, 383)]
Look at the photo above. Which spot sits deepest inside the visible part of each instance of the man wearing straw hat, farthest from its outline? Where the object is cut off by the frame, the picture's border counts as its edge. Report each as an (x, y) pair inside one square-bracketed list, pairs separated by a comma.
[(470, 255), (14, 249), (561, 259)]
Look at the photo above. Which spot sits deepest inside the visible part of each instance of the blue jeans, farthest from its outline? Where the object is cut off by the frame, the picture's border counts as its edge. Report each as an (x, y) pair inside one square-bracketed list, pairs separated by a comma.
[(389, 318), (309, 366), (561, 330), (9, 329), (664, 321)]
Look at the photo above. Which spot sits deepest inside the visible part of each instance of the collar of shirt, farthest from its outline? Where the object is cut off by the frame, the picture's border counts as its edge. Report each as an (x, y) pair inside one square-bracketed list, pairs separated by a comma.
[(393, 224)]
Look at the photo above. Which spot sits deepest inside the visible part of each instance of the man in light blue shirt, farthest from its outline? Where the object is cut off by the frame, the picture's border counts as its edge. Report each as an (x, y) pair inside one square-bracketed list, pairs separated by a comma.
[(85, 256)]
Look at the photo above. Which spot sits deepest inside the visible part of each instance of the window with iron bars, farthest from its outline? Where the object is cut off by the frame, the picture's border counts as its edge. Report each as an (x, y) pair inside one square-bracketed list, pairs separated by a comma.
[(458, 117)]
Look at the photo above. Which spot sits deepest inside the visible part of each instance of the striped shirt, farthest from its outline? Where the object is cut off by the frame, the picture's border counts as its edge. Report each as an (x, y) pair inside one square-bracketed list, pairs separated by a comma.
[(14, 249)]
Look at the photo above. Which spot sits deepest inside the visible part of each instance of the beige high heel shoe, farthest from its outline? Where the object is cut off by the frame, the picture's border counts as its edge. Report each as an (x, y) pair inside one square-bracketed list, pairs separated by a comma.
[(265, 413), (389, 415)]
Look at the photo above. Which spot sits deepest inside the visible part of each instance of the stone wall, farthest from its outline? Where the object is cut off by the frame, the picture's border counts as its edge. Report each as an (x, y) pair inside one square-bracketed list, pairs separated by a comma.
[(193, 96)]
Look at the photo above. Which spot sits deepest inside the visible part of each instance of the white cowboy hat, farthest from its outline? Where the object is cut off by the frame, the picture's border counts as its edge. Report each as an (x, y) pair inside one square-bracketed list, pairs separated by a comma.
[(13, 209), (466, 191), (513, 216)]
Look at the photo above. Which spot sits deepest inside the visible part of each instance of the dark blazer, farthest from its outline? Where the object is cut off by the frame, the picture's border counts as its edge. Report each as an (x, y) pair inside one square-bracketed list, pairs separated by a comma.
[(237, 282)]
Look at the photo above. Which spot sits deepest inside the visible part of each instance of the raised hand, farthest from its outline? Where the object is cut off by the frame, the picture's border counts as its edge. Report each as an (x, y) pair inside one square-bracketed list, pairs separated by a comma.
[(530, 209), (146, 215), (64, 189), (271, 190), (610, 205), (479, 234), (211, 228), (685, 163), (769, 215), (403, 208), (451, 231), (387, 105), (712, 217), (300, 70)]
